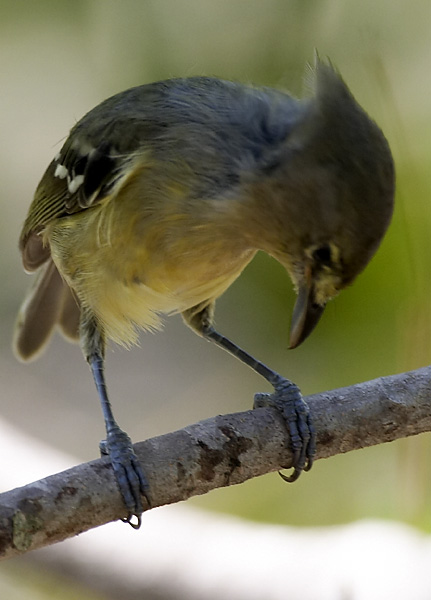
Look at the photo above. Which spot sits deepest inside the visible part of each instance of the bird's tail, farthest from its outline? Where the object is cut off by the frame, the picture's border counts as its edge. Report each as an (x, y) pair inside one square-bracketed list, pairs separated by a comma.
[(49, 302)]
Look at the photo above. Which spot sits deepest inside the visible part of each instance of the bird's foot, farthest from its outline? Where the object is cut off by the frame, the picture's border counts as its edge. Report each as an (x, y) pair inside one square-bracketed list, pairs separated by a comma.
[(128, 473), (288, 400)]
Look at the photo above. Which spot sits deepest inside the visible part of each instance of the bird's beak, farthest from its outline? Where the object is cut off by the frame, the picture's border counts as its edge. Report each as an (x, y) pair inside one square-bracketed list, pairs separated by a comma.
[(306, 314)]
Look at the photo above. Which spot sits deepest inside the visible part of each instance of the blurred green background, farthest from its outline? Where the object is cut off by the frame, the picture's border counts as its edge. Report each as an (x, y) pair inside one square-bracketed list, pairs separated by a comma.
[(58, 60)]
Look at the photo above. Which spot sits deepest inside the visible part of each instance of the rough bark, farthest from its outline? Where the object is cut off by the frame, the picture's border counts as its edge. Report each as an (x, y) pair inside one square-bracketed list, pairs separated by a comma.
[(217, 452)]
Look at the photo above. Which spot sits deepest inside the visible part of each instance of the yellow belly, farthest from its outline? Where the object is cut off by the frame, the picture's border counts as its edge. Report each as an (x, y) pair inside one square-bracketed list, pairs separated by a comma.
[(129, 269)]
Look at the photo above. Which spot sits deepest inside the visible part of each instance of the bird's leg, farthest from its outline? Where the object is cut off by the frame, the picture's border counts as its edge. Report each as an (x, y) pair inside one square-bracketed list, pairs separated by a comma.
[(128, 472), (286, 397)]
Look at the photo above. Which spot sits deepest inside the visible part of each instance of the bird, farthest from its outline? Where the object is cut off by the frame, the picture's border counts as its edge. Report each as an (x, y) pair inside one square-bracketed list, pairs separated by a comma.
[(163, 193)]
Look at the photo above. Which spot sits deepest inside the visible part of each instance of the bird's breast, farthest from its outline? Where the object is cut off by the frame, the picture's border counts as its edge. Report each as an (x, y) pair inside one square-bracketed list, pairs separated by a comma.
[(132, 268)]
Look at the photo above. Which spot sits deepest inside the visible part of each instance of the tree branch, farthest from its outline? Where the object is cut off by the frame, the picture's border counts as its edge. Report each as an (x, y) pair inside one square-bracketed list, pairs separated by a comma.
[(217, 452)]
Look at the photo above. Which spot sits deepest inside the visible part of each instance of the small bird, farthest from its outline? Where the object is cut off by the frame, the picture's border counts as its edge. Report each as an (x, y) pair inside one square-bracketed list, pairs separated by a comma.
[(163, 193)]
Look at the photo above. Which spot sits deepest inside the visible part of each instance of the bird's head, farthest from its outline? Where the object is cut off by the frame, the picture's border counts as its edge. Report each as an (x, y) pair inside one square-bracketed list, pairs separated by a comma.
[(334, 192)]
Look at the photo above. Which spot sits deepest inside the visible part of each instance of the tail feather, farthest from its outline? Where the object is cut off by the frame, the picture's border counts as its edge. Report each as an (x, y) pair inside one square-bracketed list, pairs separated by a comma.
[(48, 302)]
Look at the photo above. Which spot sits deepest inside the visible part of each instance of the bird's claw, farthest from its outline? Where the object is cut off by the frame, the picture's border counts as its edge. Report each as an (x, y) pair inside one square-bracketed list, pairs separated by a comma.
[(129, 518), (128, 473), (288, 400)]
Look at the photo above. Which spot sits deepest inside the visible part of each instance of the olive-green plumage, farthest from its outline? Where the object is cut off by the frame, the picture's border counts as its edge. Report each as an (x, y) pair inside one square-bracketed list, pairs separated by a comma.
[(162, 194), (183, 180)]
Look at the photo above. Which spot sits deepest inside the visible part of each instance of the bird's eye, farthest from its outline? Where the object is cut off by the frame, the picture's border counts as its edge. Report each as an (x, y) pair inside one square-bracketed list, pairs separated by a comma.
[(323, 255)]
